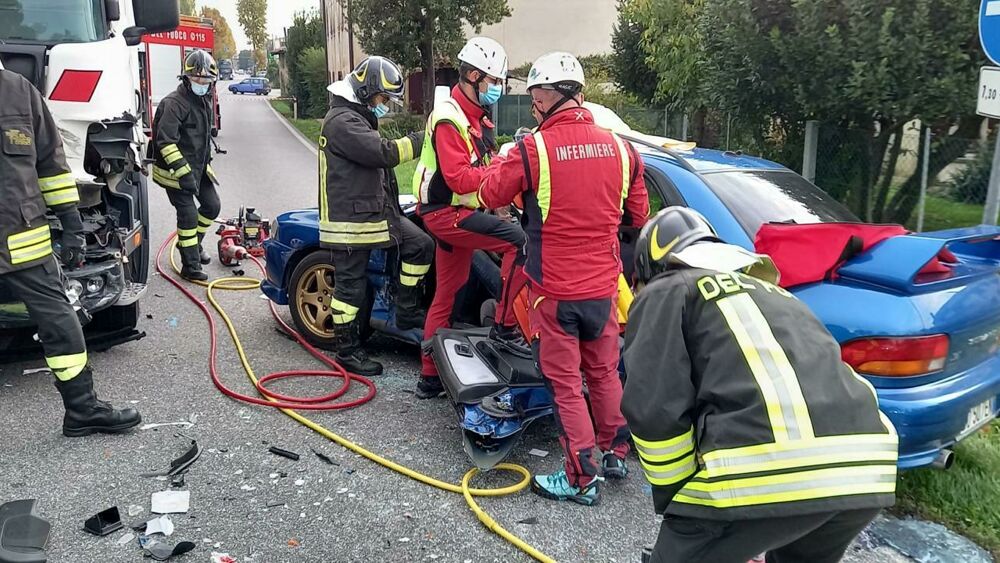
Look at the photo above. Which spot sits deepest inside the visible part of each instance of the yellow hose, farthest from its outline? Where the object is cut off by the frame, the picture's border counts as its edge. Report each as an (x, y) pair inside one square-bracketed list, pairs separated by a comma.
[(245, 284)]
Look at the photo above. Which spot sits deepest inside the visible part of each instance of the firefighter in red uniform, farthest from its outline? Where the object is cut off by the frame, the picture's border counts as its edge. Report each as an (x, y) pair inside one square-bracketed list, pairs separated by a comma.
[(459, 143), (580, 184)]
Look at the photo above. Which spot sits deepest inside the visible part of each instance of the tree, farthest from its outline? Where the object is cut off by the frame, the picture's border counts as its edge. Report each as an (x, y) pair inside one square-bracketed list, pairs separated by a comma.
[(244, 60), (307, 32), (187, 7), (629, 68), (253, 17), (225, 45), (421, 34), (865, 67), (312, 74)]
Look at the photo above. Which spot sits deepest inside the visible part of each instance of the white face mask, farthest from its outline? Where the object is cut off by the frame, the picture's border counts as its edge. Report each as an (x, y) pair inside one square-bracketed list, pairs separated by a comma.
[(200, 89)]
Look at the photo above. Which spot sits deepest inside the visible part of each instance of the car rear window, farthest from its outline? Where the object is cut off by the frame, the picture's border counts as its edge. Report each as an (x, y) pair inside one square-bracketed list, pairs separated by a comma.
[(756, 197)]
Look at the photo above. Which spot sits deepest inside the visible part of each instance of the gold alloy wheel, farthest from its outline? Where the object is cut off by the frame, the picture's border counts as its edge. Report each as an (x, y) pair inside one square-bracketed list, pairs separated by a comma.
[(313, 294)]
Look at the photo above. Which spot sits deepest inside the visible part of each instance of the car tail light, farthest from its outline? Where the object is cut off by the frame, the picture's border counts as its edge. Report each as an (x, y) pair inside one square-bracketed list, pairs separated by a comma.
[(897, 357), (76, 86)]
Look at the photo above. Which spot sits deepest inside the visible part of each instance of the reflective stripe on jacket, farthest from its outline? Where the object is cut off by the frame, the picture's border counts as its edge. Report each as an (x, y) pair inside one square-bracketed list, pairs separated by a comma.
[(33, 174), (741, 407), (358, 192), (580, 183), (181, 146)]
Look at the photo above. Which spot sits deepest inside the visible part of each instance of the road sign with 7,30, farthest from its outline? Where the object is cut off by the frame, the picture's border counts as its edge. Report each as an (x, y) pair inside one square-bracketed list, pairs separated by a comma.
[(988, 104)]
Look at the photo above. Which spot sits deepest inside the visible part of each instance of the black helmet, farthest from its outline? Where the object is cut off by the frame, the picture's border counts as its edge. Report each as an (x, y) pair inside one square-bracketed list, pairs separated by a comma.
[(376, 75), (669, 231), (200, 64)]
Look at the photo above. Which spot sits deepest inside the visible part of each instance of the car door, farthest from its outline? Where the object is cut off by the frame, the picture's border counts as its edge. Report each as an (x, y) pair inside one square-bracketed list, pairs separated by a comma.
[(662, 193)]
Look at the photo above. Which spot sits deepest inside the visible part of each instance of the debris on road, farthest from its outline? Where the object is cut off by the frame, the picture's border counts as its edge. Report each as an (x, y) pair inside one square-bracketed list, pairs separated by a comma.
[(529, 521), (538, 453), (293, 542), (161, 550), (184, 424), (104, 522), (222, 558), (248, 488), (323, 457), (33, 371), (126, 539), (275, 503), (300, 482), (134, 510), (162, 525), (180, 464), (171, 502), (283, 453)]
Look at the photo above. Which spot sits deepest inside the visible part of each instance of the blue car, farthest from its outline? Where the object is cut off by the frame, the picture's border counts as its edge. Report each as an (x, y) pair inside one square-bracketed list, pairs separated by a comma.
[(258, 86), (938, 335)]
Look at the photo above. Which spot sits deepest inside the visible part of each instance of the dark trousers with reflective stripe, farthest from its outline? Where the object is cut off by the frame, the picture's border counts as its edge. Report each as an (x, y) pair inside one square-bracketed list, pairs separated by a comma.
[(459, 233), (570, 337), (350, 268), (41, 290), (810, 538), (193, 220)]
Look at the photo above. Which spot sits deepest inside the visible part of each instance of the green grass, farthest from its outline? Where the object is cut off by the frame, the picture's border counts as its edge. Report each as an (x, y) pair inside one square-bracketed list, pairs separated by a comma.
[(942, 213), (311, 128), (966, 498)]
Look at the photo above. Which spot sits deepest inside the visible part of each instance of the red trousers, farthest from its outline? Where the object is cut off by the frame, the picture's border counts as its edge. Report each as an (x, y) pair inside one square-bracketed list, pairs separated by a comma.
[(459, 232), (570, 337)]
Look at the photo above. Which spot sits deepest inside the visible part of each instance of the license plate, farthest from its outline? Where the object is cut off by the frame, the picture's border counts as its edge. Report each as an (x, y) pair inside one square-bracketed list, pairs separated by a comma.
[(978, 416)]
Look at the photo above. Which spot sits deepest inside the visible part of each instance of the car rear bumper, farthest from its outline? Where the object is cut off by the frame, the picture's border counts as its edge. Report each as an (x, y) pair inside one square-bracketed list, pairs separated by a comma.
[(929, 418)]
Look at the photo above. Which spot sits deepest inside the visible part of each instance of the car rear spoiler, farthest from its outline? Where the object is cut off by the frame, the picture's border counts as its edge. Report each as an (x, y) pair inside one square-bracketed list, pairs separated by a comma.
[(896, 263)]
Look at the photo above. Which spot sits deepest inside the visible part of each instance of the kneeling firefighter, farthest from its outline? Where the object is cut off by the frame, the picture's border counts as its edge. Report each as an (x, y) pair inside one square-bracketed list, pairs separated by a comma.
[(182, 153), (34, 175), (359, 205), (754, 434)]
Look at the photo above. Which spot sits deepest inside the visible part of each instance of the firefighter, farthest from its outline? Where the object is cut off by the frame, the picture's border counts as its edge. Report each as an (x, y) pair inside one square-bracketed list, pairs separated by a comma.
[(580, 184), (359, 205), (182, 152), (459, 143), (754, 434), (34, 175)]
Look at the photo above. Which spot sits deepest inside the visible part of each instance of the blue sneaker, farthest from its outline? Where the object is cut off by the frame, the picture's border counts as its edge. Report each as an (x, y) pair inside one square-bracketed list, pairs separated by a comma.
[(557, 487), (613, 466)]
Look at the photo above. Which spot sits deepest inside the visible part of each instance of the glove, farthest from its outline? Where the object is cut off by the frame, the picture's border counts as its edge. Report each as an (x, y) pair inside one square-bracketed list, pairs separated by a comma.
[(470, 200), (187, 184), (73, 244)]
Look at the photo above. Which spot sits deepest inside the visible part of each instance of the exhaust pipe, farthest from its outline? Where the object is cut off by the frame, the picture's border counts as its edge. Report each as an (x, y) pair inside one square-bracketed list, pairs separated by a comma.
[(944, 460)]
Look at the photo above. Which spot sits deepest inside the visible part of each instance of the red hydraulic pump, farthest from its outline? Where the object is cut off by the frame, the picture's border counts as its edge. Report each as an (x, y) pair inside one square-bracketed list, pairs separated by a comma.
[(242, 236)]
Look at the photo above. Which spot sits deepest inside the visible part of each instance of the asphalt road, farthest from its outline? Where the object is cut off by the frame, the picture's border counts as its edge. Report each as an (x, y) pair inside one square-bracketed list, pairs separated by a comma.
[(257, 506)]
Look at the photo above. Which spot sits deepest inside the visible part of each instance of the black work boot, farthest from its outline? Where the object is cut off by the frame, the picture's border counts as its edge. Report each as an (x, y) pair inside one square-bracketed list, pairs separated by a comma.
[(511, 340), (204, 257), (191, 264), (85, 414), (429, 387), (409, 315), (350, 355)]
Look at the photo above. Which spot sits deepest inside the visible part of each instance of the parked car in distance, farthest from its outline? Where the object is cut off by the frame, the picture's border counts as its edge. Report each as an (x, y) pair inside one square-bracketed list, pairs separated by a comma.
[(258, 86)]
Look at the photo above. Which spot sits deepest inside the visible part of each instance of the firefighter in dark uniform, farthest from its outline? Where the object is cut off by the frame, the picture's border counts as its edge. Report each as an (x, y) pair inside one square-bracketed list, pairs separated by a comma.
[(182, 153), (34, 175), (359, 205), (754, 434)]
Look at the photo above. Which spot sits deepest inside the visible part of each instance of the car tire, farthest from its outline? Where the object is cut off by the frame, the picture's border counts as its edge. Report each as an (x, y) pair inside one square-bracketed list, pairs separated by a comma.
[(310, 288)]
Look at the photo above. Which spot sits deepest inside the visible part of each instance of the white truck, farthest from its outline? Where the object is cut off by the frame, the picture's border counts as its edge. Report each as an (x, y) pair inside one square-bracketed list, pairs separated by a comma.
[(83, 56)]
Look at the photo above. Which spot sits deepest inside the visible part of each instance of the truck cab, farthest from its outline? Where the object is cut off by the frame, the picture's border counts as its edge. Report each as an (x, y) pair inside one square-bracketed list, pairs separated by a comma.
[(82, 56)]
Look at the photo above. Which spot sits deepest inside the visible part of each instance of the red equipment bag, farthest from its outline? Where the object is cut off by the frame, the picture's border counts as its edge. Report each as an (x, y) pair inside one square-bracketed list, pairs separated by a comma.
[(809, 253)]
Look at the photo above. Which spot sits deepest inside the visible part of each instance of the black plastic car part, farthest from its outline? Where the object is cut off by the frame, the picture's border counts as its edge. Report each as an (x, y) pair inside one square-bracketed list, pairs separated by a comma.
[(104, 522)]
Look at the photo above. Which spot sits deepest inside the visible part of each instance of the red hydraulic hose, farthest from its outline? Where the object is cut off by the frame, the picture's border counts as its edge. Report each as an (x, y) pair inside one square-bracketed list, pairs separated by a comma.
[(274, 399)]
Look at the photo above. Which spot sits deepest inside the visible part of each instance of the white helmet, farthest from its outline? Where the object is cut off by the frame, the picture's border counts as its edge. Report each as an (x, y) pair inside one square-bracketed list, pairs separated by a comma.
[(486, 55), (555, 68)]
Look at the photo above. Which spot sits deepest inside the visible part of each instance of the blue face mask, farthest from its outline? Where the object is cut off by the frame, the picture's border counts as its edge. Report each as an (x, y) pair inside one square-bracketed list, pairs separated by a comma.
[(380, 111), (491, 95), (200, 89)]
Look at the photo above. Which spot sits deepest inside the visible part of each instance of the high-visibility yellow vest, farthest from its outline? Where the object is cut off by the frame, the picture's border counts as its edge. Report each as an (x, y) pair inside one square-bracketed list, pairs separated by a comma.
[(451, 112)]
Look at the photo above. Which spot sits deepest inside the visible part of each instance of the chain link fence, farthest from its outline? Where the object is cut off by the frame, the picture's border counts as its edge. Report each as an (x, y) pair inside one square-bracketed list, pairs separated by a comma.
[(878, 176)]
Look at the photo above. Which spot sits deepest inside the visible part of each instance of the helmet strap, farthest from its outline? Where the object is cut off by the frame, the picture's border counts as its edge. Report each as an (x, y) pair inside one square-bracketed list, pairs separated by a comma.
[(555, 107)]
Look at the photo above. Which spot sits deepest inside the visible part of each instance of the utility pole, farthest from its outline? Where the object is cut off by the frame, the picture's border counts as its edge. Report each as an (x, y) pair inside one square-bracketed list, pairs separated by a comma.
[(350, 34)]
